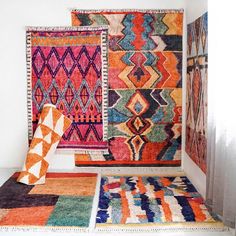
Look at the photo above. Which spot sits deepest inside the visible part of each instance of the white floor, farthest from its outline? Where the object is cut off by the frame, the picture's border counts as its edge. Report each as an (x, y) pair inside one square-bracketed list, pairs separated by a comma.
[(6, 173)]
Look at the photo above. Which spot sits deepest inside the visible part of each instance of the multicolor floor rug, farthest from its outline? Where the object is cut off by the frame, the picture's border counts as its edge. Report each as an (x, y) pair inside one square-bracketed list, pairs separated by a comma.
[(152, 201), (64, 201), (67, 67), (145, 85), (196, 112)]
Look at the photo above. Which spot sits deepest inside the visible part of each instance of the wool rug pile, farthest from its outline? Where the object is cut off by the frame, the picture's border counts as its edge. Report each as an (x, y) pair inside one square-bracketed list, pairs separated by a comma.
[(67, 67), (74, 202), (145, 86), (151, 201), (196, 83), (65, 200)]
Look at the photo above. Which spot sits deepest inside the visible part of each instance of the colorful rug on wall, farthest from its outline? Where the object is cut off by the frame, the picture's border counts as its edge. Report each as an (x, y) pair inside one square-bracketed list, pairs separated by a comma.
[(145, 86), (65, 200), (67, 67), (196, 107), (152, 201)]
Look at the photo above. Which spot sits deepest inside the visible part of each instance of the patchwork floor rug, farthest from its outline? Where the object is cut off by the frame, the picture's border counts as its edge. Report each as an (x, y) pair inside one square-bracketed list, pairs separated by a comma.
[(64, 201), (151, 201), (67, 67), (196, 112), (145, 85)]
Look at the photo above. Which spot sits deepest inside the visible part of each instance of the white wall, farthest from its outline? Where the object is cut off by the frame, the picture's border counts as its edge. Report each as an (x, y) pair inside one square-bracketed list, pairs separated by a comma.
[(14, 16), (194, 9)]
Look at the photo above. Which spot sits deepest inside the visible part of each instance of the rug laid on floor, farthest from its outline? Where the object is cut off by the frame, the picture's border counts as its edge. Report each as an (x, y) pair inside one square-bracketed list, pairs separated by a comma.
[(64, 201), (168, 202), (67, 67), (196, 107), (145, 85)]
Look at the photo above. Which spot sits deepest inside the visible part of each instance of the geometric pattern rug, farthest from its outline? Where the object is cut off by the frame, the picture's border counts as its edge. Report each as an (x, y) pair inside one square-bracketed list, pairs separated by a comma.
[(196, 92), (73, 202), (65, 200), (163, 201), (67, 67), (145, 86)]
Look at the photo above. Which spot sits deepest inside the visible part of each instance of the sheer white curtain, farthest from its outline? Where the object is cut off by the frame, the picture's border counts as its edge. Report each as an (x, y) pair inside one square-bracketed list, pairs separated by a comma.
[(221, 158)]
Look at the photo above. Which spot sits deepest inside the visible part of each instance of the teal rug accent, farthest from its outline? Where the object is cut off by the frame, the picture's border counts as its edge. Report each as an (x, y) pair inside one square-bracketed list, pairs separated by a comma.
[(71, 211)]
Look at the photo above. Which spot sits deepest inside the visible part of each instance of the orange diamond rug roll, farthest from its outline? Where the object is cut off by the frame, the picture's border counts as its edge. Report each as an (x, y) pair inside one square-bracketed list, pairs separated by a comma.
[(51, 126)]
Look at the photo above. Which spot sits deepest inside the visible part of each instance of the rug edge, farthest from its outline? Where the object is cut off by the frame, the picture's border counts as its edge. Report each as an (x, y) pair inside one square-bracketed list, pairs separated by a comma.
[(155, 227), (178, 10), (43, 229)]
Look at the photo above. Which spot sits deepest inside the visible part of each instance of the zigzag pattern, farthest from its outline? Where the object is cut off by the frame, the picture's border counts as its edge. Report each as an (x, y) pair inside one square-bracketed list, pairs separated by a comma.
[(145, 96), (67, 72), (143, 200), (84, 96), (197, 36), (82, 133), (68, 61), (148, 116), (196, 114), (52, 124)]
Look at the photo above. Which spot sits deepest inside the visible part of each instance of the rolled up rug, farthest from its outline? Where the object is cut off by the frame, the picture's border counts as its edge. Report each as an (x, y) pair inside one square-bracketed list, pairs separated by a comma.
[(51, 126)]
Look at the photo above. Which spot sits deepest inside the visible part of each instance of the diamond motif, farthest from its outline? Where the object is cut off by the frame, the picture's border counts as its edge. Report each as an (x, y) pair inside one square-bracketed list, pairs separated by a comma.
[(53, 94), (137, 104), (196, 91), (62, 107), (139, 75), (96, 61), (68, 61), (98, 95), (83, 60), (138, 125), (39, 95), (76, 108), (204, 38), (138, 107), (69, 95), (38, 62), (84, 95), (136, 143), (53, 62)]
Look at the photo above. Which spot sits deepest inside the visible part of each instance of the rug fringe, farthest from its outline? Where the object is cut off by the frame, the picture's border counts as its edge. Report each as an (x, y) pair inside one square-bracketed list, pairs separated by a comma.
[(29, 85), (104, 49), (144, 171), (107, 229), (179, 174), (181, 10), (82, 151), (43, 229), (219, 227), (65, 28)]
